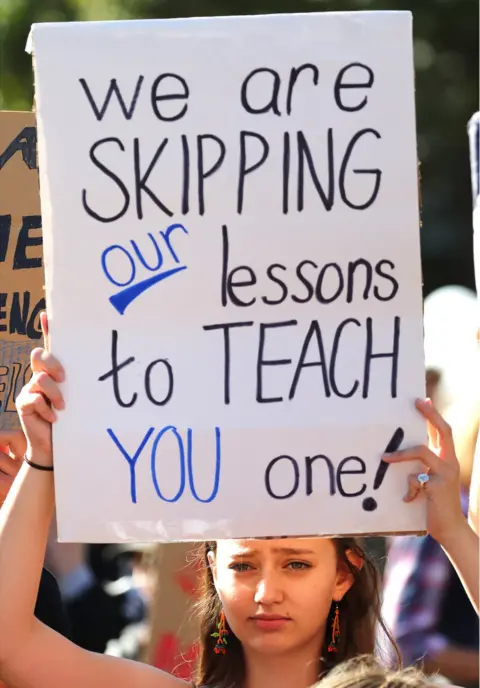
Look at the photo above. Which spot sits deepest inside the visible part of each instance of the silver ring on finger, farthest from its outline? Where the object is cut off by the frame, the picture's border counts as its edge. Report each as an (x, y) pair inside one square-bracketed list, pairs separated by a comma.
[(423, 479)]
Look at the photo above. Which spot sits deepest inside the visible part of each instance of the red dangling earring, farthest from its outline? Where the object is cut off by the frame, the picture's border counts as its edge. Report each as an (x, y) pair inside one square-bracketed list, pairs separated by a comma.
[(221, 636), (335, 630)]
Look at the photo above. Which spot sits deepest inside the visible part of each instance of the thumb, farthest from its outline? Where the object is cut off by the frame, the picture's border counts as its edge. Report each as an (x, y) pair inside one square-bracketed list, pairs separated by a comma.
[(413, 488)]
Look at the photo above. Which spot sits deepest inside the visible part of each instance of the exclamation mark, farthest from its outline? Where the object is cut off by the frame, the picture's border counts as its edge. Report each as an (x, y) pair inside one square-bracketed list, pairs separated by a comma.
[(369, 503)]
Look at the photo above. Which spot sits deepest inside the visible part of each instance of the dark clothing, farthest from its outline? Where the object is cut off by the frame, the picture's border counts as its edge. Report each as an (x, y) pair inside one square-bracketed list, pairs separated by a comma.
[(97, 616), (93, 617), (49, 608), (458, 620)]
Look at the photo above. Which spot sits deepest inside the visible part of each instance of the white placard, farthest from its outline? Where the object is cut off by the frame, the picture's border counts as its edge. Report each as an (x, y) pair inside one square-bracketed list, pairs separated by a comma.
[(233, 272)]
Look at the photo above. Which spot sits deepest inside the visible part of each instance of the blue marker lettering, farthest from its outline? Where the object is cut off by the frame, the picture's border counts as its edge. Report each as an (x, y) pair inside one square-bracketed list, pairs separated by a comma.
[(166, 238), (216, 480), (172, 429), (140, 257), (107, 272), (124, 298), (131, 461)]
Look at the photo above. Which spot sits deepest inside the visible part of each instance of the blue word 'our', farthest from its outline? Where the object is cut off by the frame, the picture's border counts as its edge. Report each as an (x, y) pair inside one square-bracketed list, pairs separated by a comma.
[(185, 460), (129, 287)]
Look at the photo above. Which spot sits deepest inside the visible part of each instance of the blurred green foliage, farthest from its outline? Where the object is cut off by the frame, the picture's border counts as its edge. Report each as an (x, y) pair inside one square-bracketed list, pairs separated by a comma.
[(446, 53)]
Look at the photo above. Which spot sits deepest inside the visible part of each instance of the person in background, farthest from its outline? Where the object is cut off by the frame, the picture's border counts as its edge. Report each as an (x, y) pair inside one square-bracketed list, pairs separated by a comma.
[(425, 605), (99, 610), (135, 561), (450, 320)]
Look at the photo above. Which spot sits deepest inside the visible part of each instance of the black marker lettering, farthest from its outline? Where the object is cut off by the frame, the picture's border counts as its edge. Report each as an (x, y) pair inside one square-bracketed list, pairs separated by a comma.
[(261, 362), (308, 285), (304, 154), (276, 280), (148, 382), (309, 461), (20, 259), (141, 180), (113, 373), (296, 476), (226, 345), (244, 170), (228, 284), (19, 314), (352, 269), (379, 269), (111, 175), (3, 311), (343, 171), (340, 85), (26, 144), (342, 470), (294, 74), (313, 331), (186, 176), (5, 227), (320, 296), (182, 96), (272, 91), (34, 328), (333, 360), (286, 172), (204, 174), (113, 88), (370, 356)]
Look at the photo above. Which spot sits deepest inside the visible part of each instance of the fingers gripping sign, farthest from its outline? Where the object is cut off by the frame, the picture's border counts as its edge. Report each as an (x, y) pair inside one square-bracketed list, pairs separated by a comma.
[(40, 399), (440, 479)]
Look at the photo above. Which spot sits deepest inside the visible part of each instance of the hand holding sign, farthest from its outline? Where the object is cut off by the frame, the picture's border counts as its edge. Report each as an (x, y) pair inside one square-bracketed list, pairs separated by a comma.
[(442, 490), (38, 400)]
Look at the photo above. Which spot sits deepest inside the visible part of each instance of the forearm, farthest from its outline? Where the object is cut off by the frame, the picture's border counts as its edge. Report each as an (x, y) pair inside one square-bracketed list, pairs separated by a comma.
[(463, 550), (474, 501), (24, 524), (458, 665)]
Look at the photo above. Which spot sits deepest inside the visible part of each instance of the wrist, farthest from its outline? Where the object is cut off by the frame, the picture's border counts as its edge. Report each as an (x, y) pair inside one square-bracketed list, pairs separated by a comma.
[(39, 458), (454, 537)]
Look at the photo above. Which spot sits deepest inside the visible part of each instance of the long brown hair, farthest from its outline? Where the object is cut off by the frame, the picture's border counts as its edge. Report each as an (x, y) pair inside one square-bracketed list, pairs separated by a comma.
[(359, 616)]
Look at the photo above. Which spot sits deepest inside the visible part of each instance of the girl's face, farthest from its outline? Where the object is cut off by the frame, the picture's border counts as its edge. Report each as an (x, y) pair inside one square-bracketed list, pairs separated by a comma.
[(277, 594)]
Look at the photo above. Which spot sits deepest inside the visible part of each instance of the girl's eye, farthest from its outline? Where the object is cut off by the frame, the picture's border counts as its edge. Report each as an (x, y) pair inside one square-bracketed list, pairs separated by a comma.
[(298, 565), (240, 567)]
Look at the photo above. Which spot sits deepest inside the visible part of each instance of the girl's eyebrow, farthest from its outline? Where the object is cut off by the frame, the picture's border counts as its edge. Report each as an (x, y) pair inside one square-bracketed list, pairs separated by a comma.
[(293, 550), (278, 550)]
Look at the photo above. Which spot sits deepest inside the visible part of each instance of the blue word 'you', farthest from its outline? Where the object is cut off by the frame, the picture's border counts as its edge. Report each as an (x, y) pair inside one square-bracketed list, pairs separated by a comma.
[(132, 260), (185, 458)]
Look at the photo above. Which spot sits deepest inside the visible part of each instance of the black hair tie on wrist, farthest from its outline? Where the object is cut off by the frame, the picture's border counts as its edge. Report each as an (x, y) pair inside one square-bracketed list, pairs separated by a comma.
[(38, 466)]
